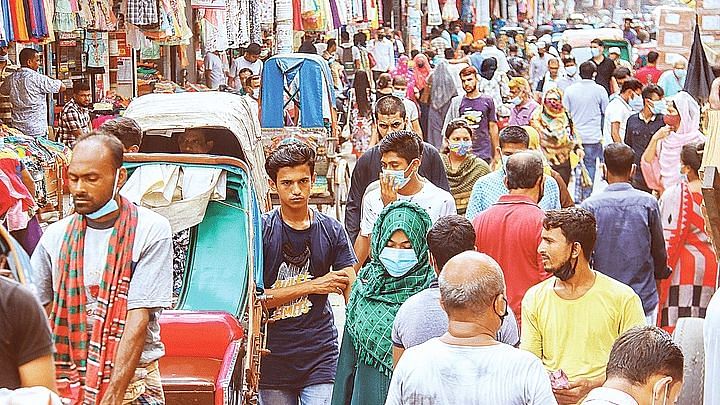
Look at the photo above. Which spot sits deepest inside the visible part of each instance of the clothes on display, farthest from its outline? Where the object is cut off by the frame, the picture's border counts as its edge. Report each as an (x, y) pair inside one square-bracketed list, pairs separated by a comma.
[(96, 49), (23, 21)]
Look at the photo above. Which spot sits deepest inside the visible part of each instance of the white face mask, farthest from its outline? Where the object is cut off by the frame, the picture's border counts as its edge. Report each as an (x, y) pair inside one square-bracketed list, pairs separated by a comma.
[(571, 70), (665, 390)]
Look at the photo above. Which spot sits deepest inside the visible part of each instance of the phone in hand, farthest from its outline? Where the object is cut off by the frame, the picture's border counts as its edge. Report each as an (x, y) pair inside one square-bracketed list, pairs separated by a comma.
[(559, 380)]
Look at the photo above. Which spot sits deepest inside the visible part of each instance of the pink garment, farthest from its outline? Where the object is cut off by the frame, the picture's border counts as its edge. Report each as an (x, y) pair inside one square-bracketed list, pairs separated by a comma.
[(421, 73), (402, 69)]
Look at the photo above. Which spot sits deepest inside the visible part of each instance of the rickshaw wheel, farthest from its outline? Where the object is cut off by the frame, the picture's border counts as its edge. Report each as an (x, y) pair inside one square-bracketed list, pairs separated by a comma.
[(342, 188)]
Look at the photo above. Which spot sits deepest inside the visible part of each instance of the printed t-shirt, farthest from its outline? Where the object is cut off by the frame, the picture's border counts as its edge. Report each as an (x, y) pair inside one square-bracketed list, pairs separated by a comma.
[(479, 112), (152, 277), (302, 339), (582, 349)]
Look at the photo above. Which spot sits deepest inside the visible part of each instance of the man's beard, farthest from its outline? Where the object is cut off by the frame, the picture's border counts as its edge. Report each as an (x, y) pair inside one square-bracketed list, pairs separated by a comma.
[(565, 271)]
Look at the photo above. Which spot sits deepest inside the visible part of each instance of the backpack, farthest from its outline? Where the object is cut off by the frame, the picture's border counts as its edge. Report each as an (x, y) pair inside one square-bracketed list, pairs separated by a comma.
[(347, 60)]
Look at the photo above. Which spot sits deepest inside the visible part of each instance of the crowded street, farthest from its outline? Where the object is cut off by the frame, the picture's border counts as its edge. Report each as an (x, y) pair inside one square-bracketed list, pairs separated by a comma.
[(359, 202)]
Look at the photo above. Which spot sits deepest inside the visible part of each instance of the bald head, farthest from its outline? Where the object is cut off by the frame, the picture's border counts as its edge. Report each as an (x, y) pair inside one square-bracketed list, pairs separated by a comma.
[(523, 170), (100, 146), (470, 281)]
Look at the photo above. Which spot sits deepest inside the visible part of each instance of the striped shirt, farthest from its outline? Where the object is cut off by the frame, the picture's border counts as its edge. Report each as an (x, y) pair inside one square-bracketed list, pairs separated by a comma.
[(28, 90)]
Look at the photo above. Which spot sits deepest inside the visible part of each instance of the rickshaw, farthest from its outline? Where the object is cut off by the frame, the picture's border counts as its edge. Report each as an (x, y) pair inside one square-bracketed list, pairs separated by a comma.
[(215, 334), (298, 102)]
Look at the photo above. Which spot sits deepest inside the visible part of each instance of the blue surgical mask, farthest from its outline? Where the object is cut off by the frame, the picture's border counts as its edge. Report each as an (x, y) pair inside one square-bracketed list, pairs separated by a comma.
[(400, 179), (636, 103), (460, 147), (659, 107), (571, 70), (680, 73), (504, 160), (111, 205), (516, 100), (398, 94), (595, 52), (398, 262)]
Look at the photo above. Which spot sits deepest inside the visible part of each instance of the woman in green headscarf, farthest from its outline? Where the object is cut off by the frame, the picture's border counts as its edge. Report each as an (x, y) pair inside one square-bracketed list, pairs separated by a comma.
[(399, 269)]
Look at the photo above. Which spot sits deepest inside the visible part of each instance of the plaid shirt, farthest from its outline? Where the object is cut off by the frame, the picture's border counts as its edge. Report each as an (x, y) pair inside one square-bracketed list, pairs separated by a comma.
[(72, 117), (142, 12)]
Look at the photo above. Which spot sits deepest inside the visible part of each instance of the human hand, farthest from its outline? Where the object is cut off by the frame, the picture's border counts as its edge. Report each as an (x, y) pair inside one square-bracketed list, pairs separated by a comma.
[(388, 189), (332, 282), (576, 391), (662, 133), (580, 152)]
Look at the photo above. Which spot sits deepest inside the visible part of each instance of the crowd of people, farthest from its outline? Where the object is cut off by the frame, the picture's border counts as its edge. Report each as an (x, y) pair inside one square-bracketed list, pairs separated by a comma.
[(470, 272)]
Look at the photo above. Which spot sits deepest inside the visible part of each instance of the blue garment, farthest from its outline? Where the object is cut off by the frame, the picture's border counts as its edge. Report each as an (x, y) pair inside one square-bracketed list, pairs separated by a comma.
[(586, 102), (489, 188), (476, 60), (630, 246), (593, 152), (671, 83), (318, 394), (302, 339)]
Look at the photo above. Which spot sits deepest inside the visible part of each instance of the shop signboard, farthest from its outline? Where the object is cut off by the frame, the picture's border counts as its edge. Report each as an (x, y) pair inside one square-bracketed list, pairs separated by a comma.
[(216, 4)]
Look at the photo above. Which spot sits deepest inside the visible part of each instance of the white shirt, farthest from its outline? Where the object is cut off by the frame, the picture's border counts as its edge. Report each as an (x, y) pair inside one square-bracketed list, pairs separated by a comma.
[(442, 374), (384, 55), (411, 110), (608, 396), (500, 58), (617, 111), (215, 66), (711, 340), (437, 202), (242, 63)]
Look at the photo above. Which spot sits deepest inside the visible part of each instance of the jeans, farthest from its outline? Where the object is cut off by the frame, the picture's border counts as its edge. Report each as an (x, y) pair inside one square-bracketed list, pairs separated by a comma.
[(593, 152), (319, 394)]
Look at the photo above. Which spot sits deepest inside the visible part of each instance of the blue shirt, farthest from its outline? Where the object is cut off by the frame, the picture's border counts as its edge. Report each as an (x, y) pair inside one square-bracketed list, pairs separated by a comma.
[(630, 246), (489, 188), (586, 102)]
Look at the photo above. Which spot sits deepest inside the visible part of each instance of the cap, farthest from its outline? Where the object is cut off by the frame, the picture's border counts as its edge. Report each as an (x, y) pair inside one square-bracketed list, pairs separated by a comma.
[(541, 44), (615, 50)]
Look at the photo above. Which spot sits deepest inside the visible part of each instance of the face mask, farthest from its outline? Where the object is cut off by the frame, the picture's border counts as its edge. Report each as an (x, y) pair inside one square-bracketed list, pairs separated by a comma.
[(657, 388), (679, 73), (671, 120), (659, 107), (504, 160), (553, 104), (636, 103), (399, 94), (400, 179), (111, 205), (595, 52), (504, 314), (516, 100), (461, 147), (566, 271), (571, 70), (398, 262)]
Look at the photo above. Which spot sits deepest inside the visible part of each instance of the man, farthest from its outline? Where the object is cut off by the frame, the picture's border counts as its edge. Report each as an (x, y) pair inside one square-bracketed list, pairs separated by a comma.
[(307, 256), (6, 69), (457, 36), (74, 119), (439, 42), (28, 92), (630, 246), (509, 231), (360, 54), (604, 67), (467, 365), (383, 54), (195, 141), (645, 367), (618, 78), (214, 70), (253, 86), (600, 308), (389, 117), (105, 271), (522, 101), (476, 57), (519, 67), (673, 80), (538, 64), (126, 130), (399, 84), (649, 74), (566, 52), (250, 60), (571, 75), (491, 51), (619, 110), (400, 154), (550, 80), (478, 110), (489, 188), (421, 317), (26, 344), (586, 102), (641, 127), (345, 56), (628, 33), (615, 55)]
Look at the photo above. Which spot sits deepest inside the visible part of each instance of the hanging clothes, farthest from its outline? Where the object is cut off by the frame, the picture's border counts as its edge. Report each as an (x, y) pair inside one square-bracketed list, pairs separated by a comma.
[(142, 12), (65, 16), (96, 48)]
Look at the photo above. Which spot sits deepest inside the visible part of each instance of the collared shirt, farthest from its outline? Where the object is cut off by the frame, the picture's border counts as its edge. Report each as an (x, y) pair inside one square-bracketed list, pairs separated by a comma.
[(72, 118), (27, 90), (509, 232), (630, 246), (5, 104), (586, 102), (521, 114), (638, 133), (566, 81), (608, 396), (618, 110), (489, 188), (538, 67), (384, 55)]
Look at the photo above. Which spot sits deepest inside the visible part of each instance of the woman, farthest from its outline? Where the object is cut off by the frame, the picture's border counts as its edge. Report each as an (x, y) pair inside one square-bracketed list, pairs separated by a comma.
[(384, 85), (462, 167), (419, 90), (399, 268), (557, 135), (492, 82), (442, 90), (661, 159), (402, 68), (690, 255), (361, 115)]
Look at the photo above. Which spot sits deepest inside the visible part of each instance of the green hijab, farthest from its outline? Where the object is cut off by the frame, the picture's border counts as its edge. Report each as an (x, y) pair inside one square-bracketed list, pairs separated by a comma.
[(376, 295)]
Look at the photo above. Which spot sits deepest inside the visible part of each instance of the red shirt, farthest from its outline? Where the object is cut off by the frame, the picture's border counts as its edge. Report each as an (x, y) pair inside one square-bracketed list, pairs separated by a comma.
[(648, 74), (509, 232)]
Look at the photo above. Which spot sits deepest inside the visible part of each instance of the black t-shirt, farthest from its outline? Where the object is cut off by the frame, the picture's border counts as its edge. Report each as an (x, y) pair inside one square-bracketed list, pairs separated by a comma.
[(24, 331), (302, 339), (637, 136), (604, 73)]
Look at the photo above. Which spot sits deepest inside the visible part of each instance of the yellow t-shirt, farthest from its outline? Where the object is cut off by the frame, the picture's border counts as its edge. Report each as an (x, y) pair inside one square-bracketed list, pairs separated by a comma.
[(577, 335)]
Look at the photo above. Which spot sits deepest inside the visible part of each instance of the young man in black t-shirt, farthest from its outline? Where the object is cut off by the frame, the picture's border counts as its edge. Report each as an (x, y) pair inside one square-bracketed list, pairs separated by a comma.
[(307, 256), (605, 66)]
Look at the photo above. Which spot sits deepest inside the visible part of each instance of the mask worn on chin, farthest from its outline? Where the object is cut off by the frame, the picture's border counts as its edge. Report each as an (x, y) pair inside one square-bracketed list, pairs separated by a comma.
[(504, 314), (111, 205), (657, 388), (461, 148), (566, 271), (571, 71), (671, 120), (398, 262), (516, 100)]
